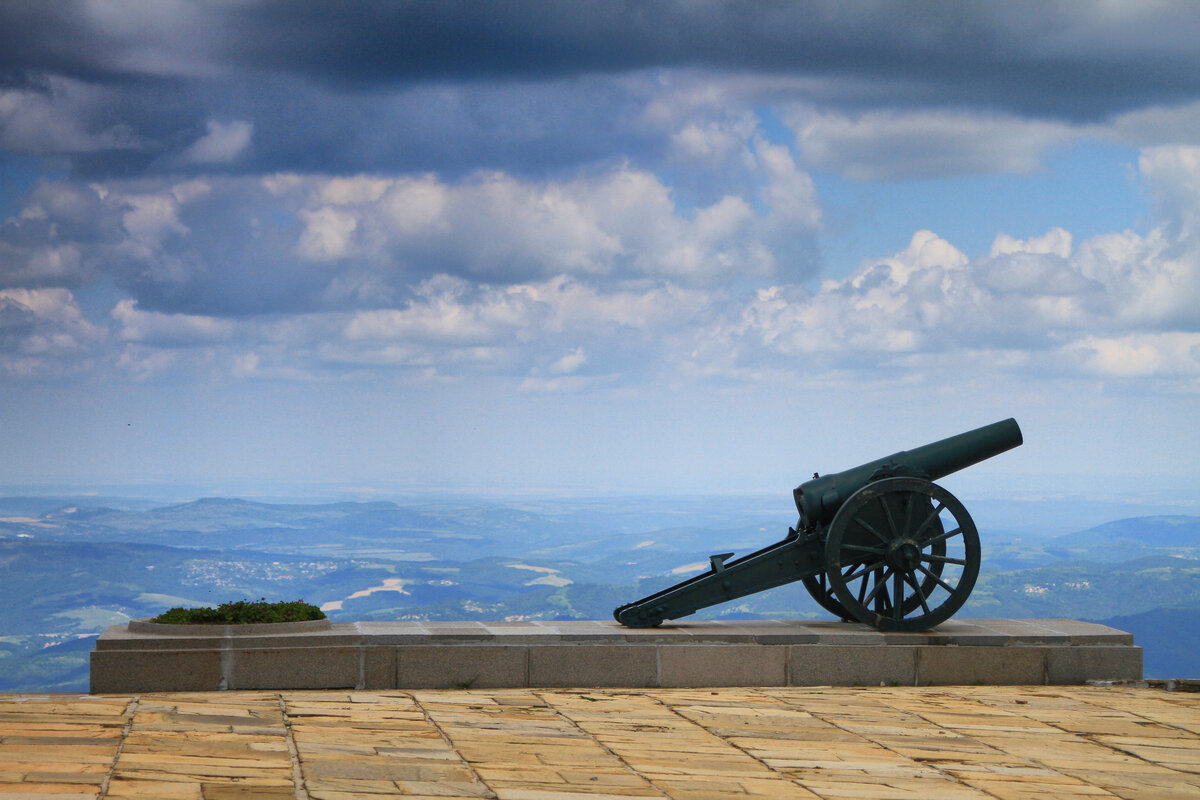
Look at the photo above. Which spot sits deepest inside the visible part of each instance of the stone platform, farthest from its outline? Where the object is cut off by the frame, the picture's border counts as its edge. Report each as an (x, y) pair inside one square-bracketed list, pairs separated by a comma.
[(926, 743), (703, 653)]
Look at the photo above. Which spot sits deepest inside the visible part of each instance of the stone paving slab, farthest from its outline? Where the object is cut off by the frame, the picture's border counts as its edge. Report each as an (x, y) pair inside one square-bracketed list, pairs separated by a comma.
[(485, 655), (827, 743)]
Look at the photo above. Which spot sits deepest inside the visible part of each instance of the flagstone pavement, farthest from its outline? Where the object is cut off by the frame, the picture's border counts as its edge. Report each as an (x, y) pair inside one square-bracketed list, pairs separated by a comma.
[(1049, 743)]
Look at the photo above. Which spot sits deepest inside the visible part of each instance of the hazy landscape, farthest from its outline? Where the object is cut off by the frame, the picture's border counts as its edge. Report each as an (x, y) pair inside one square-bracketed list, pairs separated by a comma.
[(72, 566)]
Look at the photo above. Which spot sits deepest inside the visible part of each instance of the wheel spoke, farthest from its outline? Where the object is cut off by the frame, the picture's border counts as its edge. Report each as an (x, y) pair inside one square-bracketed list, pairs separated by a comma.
[(863, 571), (872, 531), (880, 582), (962, 562), (916, 584), (929, 519), (943, 537), (885, 597), (897, 595), (940, 582), (863, 549), (887, 513)]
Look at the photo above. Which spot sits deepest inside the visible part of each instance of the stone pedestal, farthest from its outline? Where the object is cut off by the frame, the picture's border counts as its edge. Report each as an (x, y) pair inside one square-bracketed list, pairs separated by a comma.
[(435, 655)]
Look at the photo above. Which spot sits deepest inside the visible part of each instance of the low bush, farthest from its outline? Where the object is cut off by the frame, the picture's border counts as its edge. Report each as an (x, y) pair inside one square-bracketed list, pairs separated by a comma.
[(243, 611)]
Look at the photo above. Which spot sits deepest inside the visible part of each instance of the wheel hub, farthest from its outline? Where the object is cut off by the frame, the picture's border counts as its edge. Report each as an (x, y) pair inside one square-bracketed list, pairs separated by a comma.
[(903, 555)]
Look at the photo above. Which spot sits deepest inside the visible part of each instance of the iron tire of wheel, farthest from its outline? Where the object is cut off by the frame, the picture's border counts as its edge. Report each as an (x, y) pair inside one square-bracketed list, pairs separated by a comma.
[(903, 549)]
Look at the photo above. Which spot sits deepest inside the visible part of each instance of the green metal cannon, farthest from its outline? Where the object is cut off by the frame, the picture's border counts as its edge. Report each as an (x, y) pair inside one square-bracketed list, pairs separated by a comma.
[(880, 543)]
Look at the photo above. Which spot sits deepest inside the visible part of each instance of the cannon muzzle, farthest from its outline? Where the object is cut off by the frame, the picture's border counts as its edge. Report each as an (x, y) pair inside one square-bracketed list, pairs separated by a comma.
[(819, 499)]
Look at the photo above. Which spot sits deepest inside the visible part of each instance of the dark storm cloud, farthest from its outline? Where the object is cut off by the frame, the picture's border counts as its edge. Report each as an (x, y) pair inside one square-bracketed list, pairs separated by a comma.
[(538, 87), (1085, 60)]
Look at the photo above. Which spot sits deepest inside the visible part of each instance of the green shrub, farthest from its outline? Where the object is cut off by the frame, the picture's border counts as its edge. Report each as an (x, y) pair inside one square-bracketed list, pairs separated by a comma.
[(243, 611)]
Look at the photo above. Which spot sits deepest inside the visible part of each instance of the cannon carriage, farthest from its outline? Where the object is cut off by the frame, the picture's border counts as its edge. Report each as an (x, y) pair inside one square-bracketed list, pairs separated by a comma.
[(880, 543)]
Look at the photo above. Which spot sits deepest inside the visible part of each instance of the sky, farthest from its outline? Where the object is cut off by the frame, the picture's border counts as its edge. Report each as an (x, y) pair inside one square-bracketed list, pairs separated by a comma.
[(596, 246)]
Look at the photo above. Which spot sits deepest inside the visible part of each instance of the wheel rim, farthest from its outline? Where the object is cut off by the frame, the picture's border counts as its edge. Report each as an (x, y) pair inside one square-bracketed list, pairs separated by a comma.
[(818, 586), (902, 555)]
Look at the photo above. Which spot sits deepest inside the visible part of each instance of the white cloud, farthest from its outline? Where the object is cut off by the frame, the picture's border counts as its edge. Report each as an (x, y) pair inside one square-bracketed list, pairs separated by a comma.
[(570, 362), (63, 117), (896, 145), (1173, 176), (1118, 306), (168, 330), (496, 228), (603, 273), (789, 192), (55, 264), (1156, 125), (564, 384), (327, 234), (43, 331), (1140, 355), (1056, 241), (151, 218), (224, 143)]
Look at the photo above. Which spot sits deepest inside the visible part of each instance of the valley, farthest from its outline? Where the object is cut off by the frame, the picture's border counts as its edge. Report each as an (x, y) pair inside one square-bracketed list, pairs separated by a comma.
[(71, 570)]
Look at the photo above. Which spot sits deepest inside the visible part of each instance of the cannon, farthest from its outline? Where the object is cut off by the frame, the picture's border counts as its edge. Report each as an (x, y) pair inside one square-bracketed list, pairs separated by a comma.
[(880, 543)]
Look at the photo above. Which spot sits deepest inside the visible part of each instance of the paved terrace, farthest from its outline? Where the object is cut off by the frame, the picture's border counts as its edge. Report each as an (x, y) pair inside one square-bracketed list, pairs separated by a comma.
[(922, 743)]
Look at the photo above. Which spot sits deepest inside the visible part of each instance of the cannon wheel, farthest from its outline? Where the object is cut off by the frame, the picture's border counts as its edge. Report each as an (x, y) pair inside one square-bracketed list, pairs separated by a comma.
[(819, 587), (902, 554)]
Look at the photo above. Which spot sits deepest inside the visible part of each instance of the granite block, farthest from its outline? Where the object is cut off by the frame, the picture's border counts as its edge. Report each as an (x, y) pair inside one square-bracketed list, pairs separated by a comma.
[(115, 671), (463, 666), (584, 666), (851, 665), (294, 668), (1074, 665), (722, 665), (966, 665), (378, 667)]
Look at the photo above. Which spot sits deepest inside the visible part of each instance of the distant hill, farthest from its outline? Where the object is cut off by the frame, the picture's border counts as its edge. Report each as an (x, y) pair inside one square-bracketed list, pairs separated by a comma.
[(1164, 531), (1169, 638), (1126, 539)]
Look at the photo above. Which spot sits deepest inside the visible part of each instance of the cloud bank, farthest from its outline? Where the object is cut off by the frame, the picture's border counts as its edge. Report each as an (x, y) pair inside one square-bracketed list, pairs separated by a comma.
[(600, 198)]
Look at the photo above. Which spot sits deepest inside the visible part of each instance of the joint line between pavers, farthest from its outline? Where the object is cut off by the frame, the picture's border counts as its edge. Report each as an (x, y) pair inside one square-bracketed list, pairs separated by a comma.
[(301, 791), (781, 775), (949, 776), (600, 744), (1190, 733), (1030, 759), (449, 742), (130, 713)]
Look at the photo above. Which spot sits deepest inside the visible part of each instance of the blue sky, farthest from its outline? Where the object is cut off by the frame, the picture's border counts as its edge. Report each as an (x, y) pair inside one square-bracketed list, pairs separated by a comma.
[(596, 246)]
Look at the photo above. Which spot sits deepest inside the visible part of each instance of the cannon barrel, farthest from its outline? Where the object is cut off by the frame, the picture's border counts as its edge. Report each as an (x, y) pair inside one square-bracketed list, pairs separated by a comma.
[(819, 499)]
